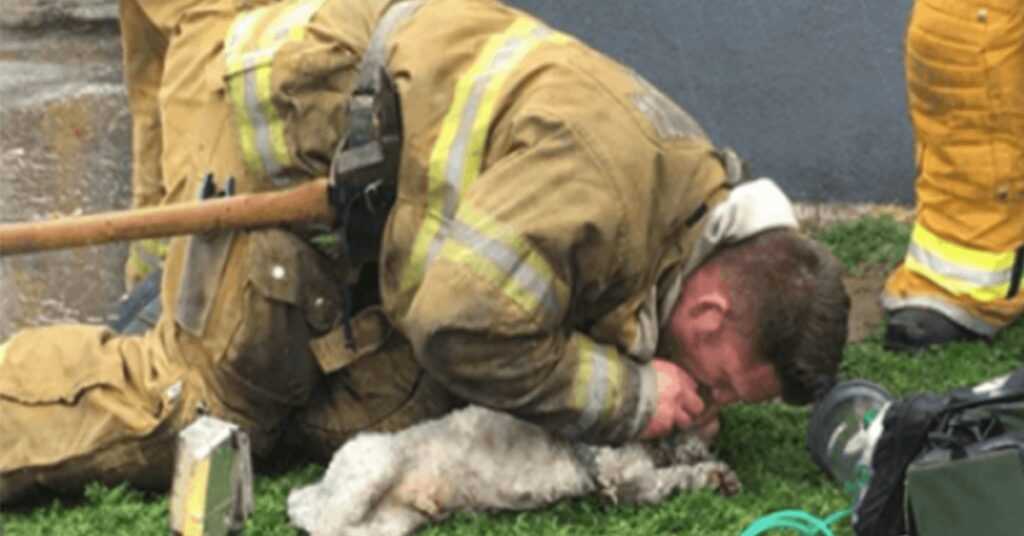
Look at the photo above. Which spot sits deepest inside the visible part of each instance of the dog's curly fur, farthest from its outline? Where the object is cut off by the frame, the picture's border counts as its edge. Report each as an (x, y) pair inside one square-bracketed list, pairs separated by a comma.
[(479, 460)]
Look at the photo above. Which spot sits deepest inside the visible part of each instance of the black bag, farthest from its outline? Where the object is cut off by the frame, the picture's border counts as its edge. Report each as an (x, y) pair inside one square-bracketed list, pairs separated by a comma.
[(949, 465)]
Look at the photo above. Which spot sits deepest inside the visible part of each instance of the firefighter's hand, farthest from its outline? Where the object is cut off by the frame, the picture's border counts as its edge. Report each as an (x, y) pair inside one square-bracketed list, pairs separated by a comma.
[(678, 405)]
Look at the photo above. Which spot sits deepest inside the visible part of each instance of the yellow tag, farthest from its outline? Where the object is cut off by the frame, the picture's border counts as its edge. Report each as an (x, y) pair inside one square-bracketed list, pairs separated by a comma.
[(195, 506)]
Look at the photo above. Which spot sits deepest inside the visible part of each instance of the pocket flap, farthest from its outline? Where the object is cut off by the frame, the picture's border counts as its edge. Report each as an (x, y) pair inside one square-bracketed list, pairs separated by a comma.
[(55, 364), (283, 267), (370, 329)]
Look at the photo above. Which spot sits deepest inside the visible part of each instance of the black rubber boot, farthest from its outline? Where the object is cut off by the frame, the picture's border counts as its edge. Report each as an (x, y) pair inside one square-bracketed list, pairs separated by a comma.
[(914, 329)]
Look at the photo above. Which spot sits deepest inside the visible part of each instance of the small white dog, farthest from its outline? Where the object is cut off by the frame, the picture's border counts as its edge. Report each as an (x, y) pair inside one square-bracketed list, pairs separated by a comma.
[(480, 460)]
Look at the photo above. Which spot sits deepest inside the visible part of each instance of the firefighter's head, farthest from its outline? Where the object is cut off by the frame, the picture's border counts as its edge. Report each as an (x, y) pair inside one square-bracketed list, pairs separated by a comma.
[(763, 317)]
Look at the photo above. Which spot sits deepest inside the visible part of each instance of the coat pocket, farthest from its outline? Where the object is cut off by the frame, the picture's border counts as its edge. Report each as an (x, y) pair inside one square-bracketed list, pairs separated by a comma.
[(57, 364), (288, 296), (379, 387)]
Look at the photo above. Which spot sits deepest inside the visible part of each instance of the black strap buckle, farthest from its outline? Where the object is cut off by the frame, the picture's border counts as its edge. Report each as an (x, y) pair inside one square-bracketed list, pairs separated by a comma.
[(364, 170)]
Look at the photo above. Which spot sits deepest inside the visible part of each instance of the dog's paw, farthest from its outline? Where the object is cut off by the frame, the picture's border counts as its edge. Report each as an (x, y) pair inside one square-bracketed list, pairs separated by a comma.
[(724, 480)]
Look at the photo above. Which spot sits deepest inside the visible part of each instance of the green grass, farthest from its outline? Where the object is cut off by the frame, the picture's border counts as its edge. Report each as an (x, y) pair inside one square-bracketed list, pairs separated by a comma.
[(765, 444), (867, 242)]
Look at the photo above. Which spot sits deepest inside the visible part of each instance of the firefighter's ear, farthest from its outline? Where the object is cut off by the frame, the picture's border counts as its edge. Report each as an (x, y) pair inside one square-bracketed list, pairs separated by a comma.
[(702, 307), (707, 312)]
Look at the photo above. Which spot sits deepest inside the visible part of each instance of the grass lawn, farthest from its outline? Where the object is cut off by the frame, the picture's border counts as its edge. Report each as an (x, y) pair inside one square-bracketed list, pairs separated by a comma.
[(765, 444)]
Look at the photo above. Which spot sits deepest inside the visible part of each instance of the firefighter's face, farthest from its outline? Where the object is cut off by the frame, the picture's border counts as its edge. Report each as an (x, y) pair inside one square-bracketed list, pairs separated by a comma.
[(711, 343)]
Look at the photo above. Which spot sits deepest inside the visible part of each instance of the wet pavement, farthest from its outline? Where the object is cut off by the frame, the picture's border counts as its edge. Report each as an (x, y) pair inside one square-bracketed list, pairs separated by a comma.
[(52, 13), (64, 149)]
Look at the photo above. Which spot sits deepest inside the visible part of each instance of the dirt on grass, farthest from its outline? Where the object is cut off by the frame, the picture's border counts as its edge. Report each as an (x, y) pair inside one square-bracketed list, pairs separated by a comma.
[(865, 284), (865, 289)]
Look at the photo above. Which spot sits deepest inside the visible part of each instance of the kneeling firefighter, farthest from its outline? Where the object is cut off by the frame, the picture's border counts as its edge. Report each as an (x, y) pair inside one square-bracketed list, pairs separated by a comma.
[(552, 230), (928, 464)]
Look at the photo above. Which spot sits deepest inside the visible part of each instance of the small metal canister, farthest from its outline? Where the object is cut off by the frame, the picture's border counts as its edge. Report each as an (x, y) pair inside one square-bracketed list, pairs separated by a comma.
[(212, 490)]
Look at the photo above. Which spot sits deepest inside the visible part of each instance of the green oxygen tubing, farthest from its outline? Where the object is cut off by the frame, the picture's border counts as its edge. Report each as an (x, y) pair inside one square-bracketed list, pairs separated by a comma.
[(803, 523)]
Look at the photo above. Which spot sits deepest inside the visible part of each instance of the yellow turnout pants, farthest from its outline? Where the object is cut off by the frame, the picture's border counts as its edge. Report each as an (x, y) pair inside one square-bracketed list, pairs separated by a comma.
[(965, 76)]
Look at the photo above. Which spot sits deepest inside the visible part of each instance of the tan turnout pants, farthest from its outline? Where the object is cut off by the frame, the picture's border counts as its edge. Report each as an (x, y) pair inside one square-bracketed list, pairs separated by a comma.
[(250, 325)]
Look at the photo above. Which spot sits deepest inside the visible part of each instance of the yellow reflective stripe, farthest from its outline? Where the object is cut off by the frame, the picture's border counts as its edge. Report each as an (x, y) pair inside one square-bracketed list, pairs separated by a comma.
[(147, 254), (290, 27), (481, 266), (957, 254), (616, 380), (958, 286), (195, 504), (431, 227), (983, 275), (238, 36), (440, 156), (246, 133), (156, 247), (597, 388), (582, 387), (241, 32), (269, 129), (456, 156), (516, 268), (261, 130), (3, 352)]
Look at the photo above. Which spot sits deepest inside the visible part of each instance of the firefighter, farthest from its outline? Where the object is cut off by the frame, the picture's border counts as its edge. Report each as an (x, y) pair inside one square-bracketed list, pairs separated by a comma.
[(961, 276), (557, 240)]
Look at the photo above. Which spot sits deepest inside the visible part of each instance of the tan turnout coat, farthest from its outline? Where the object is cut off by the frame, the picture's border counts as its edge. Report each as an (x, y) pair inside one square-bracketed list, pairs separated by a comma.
[(546, 197)]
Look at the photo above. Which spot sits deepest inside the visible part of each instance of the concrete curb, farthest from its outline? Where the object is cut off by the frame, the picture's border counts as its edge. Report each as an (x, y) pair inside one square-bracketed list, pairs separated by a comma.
[(817, 215)]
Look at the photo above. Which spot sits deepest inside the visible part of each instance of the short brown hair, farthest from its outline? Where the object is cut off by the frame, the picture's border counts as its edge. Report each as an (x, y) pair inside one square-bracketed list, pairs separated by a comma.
[(794, 287)]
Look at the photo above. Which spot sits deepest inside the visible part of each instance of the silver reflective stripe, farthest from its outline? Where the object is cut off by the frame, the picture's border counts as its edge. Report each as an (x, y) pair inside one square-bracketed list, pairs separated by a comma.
[(376, 52), (261, 126), (647, 400), (974, 276), (667, 117), (597, 392), (504, 58), (261, 130), (508, 260), (950, 310)]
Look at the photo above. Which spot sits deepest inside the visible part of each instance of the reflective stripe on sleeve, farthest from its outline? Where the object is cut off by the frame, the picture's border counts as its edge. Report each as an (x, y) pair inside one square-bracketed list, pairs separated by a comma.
[(597, 390), (457, 154), (505, 259), (647, 400), (983, 275), (253, 40)]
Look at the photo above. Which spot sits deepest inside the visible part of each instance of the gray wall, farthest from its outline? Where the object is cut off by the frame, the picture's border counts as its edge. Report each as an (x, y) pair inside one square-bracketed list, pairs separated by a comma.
[(65, 142), (811, 92)]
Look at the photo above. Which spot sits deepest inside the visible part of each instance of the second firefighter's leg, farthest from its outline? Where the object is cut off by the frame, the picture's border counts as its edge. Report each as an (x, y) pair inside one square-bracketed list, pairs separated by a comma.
[(965, 74)]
